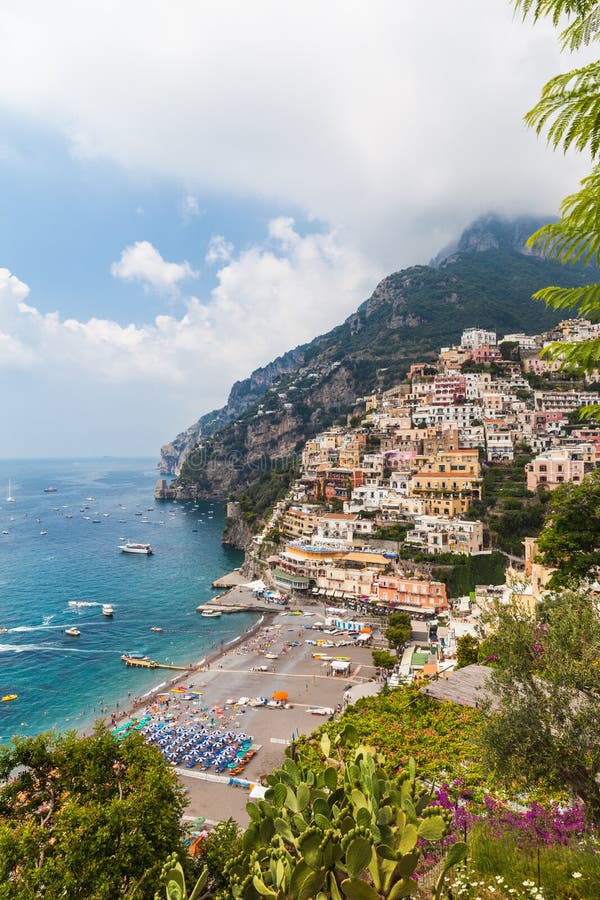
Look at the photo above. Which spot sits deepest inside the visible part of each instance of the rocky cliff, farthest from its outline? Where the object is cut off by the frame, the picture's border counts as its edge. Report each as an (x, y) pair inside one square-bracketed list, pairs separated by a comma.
[(242, 395)]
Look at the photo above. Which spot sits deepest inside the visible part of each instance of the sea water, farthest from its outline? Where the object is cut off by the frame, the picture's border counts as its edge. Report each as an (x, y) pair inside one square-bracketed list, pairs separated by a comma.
[(64, 682)]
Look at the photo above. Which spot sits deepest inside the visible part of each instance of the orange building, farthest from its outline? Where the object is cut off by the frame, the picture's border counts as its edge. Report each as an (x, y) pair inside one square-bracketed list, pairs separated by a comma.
[(412, 593)]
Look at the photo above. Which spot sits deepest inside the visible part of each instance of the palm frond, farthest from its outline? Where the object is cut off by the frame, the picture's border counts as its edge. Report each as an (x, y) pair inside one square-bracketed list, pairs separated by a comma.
[(569, 109), (576, 359), (590, 412), (583, 30), (585, 299), (554, 9)]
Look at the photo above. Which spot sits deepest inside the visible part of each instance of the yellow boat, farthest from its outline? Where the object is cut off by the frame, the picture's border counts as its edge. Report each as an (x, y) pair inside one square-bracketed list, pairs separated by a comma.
[(8, 697)]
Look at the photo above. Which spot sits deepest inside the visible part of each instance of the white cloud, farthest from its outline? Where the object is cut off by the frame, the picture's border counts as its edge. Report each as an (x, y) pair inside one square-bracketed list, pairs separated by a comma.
[(219, 250), (154, 379), (189, 208), (397, 121), (142, 262)]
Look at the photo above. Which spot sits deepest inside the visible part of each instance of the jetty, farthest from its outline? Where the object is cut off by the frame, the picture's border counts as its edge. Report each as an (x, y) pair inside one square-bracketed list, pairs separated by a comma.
[(152, 664), (230, 580)]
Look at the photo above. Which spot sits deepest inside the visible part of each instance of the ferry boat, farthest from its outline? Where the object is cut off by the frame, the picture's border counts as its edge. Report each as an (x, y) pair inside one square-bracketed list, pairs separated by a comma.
[(145, 549), (72, 632), (107, 610), (139, 656)]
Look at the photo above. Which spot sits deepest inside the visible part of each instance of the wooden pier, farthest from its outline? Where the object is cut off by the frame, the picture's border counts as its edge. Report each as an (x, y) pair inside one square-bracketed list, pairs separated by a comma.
[(152, 664)]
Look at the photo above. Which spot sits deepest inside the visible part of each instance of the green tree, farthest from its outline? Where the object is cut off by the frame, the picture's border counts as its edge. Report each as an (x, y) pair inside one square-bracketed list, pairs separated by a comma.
[(545, 692), (467, 651), (384, 660), (399, 629), (569, 113), (85, 817), (570, 539), (223, 844)]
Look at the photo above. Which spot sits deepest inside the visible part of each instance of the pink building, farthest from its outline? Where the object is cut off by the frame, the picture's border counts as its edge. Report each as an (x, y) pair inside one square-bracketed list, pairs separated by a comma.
[(485, 354), (560, 465), (412, 593)]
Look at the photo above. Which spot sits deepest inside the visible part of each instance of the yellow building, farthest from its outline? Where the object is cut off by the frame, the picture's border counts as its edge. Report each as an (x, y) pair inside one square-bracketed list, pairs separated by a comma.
[(446, 493), (298, 523)]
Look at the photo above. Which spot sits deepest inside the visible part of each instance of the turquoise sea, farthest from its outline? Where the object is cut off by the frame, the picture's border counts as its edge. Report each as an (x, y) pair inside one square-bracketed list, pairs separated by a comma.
[(62, 682)]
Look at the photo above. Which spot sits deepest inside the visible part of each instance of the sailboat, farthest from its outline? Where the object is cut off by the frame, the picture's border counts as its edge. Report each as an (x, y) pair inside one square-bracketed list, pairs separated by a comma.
[(10, 498)]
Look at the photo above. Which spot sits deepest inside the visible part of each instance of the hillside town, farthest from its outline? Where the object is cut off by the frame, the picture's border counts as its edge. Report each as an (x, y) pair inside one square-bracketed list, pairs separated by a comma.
[(382, 500)]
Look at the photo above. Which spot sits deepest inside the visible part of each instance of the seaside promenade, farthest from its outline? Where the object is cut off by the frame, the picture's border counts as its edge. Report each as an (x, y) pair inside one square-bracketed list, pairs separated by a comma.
[(244, 670)]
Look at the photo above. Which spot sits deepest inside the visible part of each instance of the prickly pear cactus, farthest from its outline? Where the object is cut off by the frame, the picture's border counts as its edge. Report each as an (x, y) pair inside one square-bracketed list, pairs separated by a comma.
[(348, 830), (174, 880)]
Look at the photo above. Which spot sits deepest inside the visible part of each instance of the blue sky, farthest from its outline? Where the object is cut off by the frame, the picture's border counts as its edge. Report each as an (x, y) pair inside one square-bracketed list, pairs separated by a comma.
[(189, 190)]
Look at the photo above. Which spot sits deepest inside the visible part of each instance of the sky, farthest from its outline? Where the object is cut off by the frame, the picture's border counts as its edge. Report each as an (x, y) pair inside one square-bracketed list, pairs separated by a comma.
[(189, 189)]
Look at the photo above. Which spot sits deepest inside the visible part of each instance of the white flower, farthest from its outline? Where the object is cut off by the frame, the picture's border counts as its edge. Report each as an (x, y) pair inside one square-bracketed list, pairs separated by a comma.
[(576, 875)]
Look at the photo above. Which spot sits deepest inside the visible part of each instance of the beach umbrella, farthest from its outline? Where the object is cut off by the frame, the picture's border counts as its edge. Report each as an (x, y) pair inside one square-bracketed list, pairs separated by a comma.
[(280, 695)]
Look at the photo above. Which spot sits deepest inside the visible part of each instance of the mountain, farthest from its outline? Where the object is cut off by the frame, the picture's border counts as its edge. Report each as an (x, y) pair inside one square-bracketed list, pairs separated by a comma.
[(491, 232), (486, 280)]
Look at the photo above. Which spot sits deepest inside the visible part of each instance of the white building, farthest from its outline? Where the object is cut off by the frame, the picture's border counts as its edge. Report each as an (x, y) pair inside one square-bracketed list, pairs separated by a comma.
[(462, 415), (525, 341), (472, 338), (438, 534)]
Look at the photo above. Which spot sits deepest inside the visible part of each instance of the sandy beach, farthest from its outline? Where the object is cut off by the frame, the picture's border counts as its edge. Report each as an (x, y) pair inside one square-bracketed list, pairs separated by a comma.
[(244, 671)]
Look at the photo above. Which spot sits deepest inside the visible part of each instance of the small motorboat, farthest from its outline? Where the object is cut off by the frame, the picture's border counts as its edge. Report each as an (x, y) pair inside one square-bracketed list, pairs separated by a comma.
[(43, 532), (8, 697), (107, 610), (156, 628), (72, 632), (129, 547)]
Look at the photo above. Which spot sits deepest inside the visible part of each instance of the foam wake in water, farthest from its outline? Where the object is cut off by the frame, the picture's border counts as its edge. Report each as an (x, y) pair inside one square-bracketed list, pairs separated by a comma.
[(47, 648)]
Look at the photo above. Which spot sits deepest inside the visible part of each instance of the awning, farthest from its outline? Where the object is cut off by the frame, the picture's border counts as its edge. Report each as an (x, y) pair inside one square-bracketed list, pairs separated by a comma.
[(257, 792), (339, 665), (315, 591)]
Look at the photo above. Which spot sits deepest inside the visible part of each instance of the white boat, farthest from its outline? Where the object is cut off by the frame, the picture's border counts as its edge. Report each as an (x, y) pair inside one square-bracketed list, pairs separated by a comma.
[(156, 628), (10, 498), (129, 547), (210, 613), (107, 610), (43, 532), (72, 632), (50, 490)]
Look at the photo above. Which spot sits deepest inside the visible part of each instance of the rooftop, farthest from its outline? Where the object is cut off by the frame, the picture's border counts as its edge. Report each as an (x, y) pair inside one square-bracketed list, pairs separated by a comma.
[(463, 686)]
